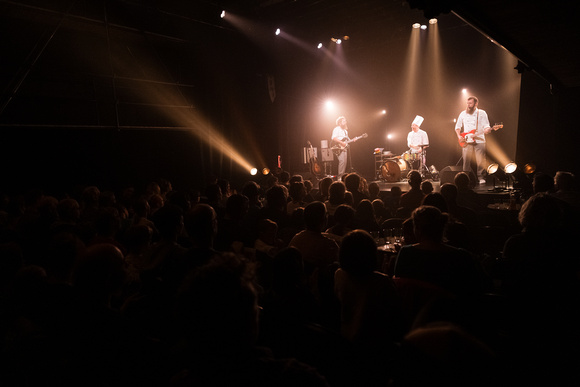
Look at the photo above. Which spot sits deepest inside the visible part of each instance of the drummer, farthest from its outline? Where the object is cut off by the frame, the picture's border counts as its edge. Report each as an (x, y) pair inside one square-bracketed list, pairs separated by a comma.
[(417, 140)]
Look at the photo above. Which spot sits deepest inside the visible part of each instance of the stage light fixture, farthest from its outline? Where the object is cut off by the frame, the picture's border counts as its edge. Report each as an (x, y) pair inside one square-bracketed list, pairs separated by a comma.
[(510, 168), (433, 21), (423, 27), (416, 25), (265, 171), (253, 171), (529, 168), (278, 31), (338, 41), (223, 14), (319, 45)]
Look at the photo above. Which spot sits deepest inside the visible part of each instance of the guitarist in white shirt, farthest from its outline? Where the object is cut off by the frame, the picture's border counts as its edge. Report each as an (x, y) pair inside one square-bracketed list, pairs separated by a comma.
[(339, 137), (471, 128)]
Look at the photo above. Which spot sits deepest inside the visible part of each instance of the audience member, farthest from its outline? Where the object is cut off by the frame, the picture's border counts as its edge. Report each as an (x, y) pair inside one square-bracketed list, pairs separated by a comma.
[(413, 197)]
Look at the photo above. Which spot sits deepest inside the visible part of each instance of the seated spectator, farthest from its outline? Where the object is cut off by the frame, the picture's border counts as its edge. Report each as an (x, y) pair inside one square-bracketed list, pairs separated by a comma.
[(219, 315), (432, 261), (412, 198)]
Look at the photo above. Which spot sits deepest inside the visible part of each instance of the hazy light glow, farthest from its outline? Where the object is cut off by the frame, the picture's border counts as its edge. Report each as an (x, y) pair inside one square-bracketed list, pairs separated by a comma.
[(329, 104), (383, 111), (464, 91)]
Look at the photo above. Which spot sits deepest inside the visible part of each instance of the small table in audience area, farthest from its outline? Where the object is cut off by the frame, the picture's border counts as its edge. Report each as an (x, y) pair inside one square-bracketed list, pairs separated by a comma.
[(386, 255)]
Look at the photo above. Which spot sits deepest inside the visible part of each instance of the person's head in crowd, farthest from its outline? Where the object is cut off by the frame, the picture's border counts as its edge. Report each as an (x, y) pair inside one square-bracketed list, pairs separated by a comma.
[(426, 187), (540, 212), (100, 272), (429, 224), (542, 182), (217, 305), (374, 189), (449, 192), (68, 210), (564, 181), (414, 179), (352, 182), (461, 181), (213, 193), (324, 185), (358, 252), (336, 192), (284, 178), (297, 191), (276, 197), (201, 225), (436, 199), (315, 216), (344, 215), (296, 178), (168, 221), (251, 190), (237, 206)]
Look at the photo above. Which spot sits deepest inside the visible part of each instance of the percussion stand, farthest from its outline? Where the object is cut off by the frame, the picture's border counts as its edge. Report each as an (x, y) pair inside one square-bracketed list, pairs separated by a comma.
[(422, 167)]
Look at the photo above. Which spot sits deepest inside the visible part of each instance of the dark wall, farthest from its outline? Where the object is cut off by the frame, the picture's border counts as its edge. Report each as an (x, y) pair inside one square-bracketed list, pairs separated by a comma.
[(549, 131)]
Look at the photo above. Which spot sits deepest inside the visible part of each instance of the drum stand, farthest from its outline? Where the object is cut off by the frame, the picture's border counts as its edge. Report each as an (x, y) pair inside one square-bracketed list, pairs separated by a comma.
[(425, 172)]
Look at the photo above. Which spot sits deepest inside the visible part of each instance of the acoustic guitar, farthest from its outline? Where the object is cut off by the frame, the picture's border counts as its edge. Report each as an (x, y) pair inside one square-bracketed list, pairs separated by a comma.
[(314, 165), (338, 148), (468, 138)]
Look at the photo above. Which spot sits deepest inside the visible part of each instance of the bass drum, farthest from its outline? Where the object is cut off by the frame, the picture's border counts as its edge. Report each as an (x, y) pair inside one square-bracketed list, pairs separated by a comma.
[(390, 171), (404, 166)]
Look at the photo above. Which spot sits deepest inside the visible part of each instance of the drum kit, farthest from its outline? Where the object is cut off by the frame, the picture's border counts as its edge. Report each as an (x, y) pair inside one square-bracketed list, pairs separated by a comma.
[(396, 168)]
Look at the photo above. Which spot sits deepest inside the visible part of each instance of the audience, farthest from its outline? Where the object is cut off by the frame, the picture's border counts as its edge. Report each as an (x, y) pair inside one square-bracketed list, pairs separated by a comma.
[(232, 289)]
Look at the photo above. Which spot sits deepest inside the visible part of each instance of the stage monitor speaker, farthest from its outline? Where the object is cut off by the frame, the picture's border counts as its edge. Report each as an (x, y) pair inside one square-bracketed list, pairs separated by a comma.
[(447, 175)]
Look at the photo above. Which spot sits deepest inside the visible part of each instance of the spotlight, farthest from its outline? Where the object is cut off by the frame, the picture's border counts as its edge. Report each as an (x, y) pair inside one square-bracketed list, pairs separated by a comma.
[(495, 171), (253, 171), (529, 168), (510, 168), (277, 31), (319, 45), (338, 41), (423, 27), (265, 171), (346, 37), (333, 39), (383, 112), (223, 14), (416, 25), (433, 21)]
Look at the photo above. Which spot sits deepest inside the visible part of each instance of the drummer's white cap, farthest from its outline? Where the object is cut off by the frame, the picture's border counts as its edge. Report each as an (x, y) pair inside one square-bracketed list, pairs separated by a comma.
[(417, 121)]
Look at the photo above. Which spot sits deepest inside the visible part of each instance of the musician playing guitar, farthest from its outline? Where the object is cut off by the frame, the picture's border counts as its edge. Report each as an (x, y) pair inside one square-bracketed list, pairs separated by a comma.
[(471, 127), (340, 138)]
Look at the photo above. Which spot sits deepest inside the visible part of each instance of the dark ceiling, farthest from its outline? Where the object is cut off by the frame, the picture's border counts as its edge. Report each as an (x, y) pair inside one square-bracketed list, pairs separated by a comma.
[(541, 34)]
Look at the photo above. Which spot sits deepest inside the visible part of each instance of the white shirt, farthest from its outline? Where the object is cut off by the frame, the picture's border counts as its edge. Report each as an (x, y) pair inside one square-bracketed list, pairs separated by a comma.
[(340, 133), (469, 123), (417, 138)]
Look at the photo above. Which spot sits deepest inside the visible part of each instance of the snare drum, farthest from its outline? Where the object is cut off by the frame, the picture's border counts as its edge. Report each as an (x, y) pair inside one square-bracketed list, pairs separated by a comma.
[(390, 171), (408, 156)]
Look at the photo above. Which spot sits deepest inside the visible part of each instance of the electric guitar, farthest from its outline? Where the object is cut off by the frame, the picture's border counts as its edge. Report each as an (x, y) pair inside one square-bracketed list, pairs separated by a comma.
[(338, 148), (468, 138), (314, 165)]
